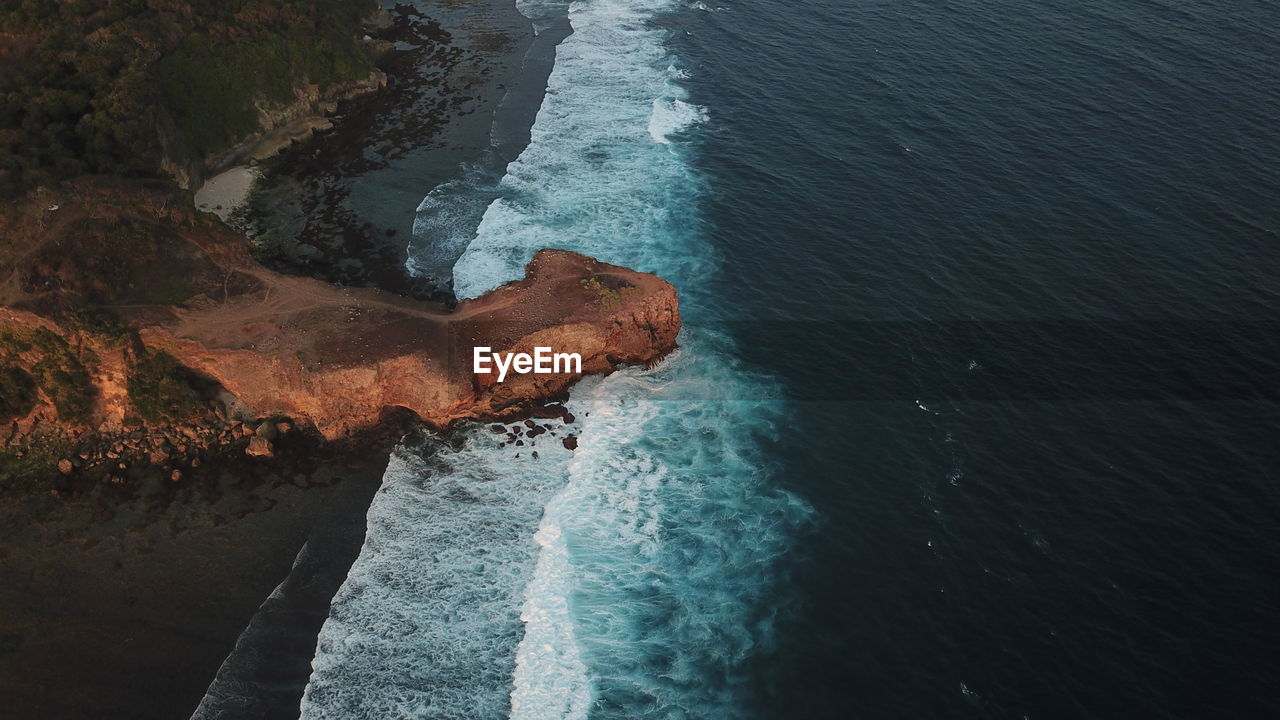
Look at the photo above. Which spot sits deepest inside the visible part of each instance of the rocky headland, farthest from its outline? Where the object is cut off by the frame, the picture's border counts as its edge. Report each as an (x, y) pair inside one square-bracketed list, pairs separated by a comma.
[(143, 332)]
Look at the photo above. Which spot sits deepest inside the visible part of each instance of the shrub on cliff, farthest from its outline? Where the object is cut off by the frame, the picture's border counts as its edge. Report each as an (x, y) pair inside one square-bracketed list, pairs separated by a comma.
[(69, 387), (159, 389), (17, 393), (55, 367)]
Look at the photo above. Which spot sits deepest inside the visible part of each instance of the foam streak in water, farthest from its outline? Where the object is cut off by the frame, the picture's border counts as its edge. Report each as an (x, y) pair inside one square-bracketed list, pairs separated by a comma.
[(427, 621), (657, 554)]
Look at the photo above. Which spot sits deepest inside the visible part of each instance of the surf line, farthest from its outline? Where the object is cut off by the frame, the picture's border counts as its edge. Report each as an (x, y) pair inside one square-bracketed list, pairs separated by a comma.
[(542, 362)]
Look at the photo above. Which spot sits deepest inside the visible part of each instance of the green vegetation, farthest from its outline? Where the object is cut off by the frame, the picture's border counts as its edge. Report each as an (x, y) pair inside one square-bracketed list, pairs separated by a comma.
[(18, 466), (611, 298), (101, 322), (68, 386), (17, 393), (57, 370), (159, 389), (211, 87), (92, 86)]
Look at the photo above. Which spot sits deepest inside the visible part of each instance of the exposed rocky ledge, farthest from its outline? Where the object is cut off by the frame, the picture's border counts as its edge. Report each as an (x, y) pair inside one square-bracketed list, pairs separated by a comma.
[(122, 290), (339, 358)]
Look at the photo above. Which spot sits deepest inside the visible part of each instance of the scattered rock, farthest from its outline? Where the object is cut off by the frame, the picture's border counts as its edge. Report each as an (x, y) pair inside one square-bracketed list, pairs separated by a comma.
[(570, 442), (65, 467), (267, 430), (176, 475), (498, 429), (283, 428), (259, 447)]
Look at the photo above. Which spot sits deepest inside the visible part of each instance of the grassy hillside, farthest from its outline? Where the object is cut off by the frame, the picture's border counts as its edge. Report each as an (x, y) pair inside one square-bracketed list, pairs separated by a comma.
[(88, 86)]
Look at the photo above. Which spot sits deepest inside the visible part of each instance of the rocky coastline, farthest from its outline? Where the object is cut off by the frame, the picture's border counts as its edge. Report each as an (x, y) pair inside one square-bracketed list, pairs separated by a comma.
[(244, 355)]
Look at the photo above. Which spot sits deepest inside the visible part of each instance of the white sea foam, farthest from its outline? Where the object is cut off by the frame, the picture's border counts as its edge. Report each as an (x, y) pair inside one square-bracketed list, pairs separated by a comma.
[(427, 621), (593, 177), (670, 117), (656, 553), (445, 223), (667, 534)]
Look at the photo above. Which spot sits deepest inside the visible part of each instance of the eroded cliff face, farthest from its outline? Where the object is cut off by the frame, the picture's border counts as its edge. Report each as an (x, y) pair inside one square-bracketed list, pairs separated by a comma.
[(108, 286), (338, 359)]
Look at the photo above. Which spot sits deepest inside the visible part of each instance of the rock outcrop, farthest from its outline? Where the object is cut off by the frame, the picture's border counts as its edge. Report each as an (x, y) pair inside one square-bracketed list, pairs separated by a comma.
[(124, 308), (340, 358)]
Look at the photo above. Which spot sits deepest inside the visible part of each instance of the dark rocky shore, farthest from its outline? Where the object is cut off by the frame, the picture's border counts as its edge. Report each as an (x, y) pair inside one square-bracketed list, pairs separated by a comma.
[(122, 601)]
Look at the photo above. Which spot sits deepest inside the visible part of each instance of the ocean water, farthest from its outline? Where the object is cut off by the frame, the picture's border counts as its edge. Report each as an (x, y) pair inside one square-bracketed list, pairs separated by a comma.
[(1015, 265), (976, 407)]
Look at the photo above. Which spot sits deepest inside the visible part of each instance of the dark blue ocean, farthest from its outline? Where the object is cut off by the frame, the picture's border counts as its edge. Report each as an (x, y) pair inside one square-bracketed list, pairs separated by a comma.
[(977, 406), (1018, 267)]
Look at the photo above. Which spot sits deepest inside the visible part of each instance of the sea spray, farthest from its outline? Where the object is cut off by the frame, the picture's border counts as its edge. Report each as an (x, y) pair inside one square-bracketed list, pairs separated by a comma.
[(446, 219)]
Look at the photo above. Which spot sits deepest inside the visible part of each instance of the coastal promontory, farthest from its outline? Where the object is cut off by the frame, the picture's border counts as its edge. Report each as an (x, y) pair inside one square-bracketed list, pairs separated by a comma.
[(121, 319)]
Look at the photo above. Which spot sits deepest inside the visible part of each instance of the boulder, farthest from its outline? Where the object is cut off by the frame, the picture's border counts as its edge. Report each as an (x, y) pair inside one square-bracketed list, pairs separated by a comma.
[(259, 447), (267, 430)]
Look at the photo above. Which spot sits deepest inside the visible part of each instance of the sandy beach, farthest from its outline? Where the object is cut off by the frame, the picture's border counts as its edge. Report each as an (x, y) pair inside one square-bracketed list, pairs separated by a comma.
[(224, 193)]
